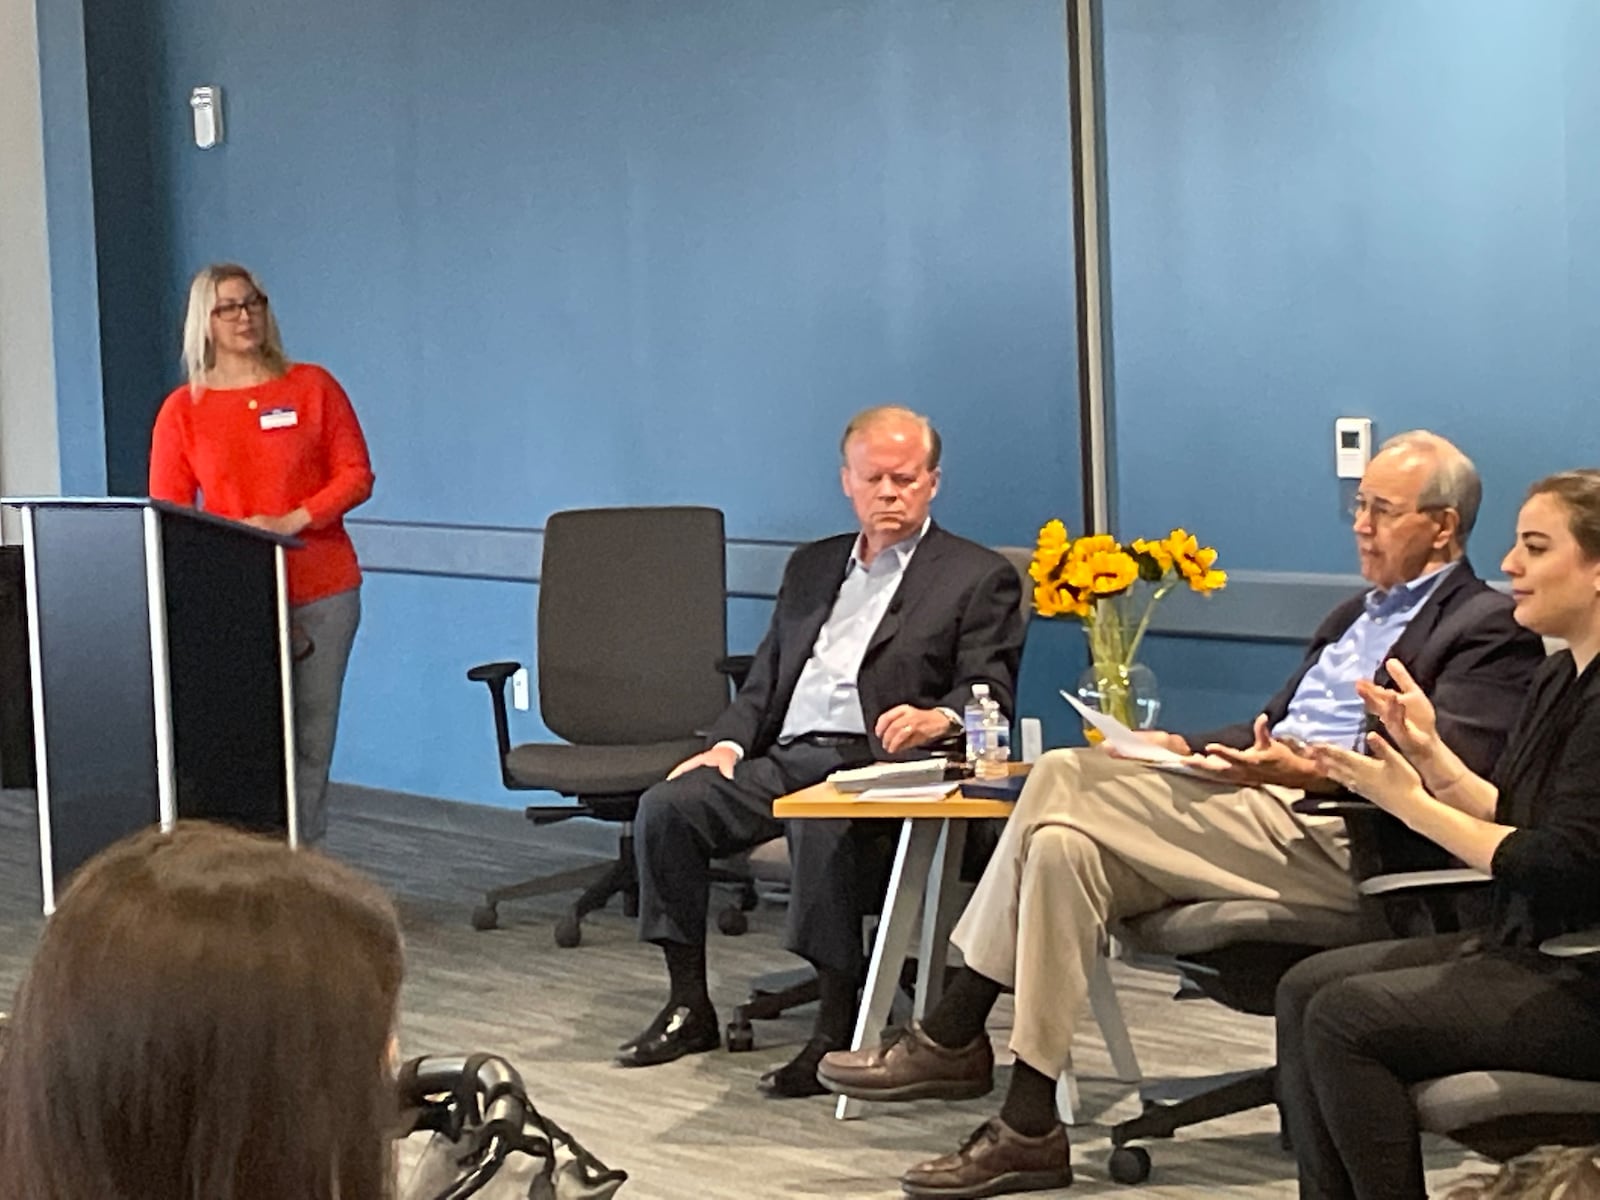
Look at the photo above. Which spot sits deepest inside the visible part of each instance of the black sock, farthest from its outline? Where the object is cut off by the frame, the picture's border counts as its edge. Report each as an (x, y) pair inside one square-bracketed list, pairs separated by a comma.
[(961, 1012), (837, 993), (1030, 1106), (686, 971)]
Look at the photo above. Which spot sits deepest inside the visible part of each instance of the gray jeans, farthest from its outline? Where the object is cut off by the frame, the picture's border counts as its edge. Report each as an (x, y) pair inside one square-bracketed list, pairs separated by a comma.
[(329, 625)]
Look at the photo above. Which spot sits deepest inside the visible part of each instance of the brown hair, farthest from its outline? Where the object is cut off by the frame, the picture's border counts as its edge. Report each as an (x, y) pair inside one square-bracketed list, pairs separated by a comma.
[(1579, 493), (868, 417), (207, 1015)]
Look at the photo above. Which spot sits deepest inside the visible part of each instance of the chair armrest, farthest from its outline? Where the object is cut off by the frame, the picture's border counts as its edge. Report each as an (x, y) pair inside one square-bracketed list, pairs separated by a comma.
[(1401, 882), (737, 668), (1583, 943), (1335, 806), (493, 676)]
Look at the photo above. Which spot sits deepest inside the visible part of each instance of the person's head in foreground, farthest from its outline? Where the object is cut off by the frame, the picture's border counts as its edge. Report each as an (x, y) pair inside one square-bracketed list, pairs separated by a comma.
[(1548, 1173), (208, 1014), (1554, 564), (1415, 509)]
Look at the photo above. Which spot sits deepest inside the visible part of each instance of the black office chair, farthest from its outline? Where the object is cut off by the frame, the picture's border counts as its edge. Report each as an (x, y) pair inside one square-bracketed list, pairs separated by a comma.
[(632, 665), (1235, 952), (1502, 1114)]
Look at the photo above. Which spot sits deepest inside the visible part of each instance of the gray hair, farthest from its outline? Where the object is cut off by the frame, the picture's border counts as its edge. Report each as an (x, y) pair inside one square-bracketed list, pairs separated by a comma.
[(1454, 481)]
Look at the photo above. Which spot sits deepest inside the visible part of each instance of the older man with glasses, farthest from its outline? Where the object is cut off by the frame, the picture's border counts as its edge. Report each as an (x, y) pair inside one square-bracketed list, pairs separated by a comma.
[(1095, 839)]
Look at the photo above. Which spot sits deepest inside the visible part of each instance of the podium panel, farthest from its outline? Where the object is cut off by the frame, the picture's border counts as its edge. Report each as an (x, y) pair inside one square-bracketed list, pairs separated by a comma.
[(222, 644), (162, 688), (92, 630)]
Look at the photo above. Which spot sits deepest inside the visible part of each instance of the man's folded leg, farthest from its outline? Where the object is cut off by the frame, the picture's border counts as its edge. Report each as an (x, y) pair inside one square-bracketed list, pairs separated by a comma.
[(682, 824)]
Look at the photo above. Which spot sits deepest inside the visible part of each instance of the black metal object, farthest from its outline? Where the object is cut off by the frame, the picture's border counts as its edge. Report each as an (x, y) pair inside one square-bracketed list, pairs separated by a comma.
[(16, 682)]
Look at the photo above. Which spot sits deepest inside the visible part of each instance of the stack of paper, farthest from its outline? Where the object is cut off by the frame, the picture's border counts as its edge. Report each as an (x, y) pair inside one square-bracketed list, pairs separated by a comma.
[(921, 791)]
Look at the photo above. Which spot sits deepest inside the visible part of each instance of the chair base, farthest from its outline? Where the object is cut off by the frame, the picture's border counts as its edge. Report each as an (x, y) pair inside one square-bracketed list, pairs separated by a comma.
[(770, 997), (1173, 1106), (600, 882)]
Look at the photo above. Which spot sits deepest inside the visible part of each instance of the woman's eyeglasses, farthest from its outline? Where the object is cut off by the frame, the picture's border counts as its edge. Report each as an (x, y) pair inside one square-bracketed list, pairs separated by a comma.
[(229, 310)]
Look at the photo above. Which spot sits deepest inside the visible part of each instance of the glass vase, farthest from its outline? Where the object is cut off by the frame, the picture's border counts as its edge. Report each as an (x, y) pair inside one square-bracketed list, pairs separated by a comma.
[(1126, 691)]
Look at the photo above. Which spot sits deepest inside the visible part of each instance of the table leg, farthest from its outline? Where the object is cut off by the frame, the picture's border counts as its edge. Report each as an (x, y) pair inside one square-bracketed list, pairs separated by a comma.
[(907, 883), (940, 908)]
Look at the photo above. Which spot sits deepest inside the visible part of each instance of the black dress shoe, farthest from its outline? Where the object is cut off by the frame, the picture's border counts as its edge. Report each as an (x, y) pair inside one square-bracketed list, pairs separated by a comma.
[(685, 1031), (798, 1077)]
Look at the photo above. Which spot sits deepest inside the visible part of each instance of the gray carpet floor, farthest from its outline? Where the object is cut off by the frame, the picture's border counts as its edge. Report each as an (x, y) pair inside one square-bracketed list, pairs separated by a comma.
[(698, 1129)]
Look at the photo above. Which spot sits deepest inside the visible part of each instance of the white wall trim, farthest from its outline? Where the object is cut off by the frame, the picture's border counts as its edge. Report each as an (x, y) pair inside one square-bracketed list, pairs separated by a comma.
[(30, 454)]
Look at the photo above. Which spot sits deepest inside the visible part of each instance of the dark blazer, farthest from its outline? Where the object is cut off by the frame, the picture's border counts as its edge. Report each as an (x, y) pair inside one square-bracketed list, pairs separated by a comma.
[(954, 621), (1547, 873), (1466, 652)]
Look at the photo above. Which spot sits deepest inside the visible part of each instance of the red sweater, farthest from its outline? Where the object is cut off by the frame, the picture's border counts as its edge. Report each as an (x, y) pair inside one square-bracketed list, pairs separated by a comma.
[(265, 451)]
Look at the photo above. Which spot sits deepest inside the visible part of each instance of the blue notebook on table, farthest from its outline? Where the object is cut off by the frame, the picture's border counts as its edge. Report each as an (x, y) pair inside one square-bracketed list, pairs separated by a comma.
[(1008, 788)]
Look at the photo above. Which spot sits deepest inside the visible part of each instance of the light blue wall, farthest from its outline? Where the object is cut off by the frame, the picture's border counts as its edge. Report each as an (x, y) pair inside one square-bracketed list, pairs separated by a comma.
[(1370, 208), (605, 251)]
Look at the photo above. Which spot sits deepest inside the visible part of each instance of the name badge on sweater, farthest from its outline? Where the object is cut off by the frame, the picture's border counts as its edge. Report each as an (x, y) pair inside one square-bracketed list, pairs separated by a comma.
[(280, 418)]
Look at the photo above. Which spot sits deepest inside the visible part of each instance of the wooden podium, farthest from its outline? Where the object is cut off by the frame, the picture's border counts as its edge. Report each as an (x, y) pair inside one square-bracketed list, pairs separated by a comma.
[(159, 650)]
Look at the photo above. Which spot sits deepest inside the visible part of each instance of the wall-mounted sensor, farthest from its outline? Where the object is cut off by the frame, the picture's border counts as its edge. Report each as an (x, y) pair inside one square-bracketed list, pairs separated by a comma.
[(1352, 446), (206, 103)]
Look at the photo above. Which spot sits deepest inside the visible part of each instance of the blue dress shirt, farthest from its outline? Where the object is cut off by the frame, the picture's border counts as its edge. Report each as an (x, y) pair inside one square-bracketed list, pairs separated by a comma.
[(825, 698), (1325, 707)]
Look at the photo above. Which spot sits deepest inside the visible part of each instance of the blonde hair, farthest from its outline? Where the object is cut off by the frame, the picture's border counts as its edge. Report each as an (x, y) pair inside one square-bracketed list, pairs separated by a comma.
[(869, 417), (1548, 1173), (199, 355)]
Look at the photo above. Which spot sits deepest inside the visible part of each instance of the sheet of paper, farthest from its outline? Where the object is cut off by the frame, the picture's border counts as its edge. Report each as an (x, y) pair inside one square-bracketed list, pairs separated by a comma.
[(1130, 745), (920, 791)]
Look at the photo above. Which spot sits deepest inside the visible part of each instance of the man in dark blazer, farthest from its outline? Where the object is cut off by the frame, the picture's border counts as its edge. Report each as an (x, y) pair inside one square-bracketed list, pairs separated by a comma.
[(1095, 839), (875, 644)]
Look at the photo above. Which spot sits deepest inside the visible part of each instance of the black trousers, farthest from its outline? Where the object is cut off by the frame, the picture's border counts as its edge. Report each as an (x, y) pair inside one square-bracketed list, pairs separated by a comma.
[(1359, 1025), (686, 822)]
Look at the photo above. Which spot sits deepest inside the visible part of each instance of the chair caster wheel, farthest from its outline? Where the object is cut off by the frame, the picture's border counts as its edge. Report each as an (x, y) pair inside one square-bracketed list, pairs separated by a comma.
[(569, 932), (741, 1038), (485, 916), (732, 922), (1130, 1164)]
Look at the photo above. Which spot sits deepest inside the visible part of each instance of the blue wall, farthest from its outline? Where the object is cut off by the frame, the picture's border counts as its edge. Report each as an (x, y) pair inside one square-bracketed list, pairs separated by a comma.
[(577, 252), (597, 251), (1366, 208)]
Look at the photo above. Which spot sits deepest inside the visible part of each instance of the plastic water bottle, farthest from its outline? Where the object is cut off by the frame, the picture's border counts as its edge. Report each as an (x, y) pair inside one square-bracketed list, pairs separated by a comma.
[(996, 754), (973, 722)]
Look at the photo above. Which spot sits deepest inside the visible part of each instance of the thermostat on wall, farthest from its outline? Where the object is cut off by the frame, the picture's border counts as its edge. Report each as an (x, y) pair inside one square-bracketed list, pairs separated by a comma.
[(1352, 446), (207, 105)]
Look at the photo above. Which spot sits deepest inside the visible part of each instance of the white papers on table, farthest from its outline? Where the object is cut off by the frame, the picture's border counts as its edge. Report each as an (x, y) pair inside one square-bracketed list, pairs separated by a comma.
[(1130, 745), (921, 791)]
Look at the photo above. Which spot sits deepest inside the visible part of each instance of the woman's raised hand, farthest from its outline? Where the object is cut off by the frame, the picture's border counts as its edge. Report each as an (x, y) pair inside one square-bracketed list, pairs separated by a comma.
[(1406, 714)]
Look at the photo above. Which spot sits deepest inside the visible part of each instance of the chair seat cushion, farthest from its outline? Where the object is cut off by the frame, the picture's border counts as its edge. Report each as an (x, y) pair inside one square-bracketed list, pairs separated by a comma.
[(1474, 1097), (597, 770), (1212, 924)]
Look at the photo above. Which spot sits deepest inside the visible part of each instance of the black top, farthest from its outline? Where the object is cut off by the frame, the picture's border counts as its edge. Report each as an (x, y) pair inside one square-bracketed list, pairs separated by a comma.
[(1547, 873)]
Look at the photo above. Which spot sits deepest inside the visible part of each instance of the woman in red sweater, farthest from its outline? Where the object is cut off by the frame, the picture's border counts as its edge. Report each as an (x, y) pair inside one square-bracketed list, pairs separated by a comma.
[(274, 444)]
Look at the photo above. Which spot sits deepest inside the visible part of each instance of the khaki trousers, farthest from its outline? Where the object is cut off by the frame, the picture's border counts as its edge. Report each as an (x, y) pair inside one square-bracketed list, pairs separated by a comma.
[(1095, 839)]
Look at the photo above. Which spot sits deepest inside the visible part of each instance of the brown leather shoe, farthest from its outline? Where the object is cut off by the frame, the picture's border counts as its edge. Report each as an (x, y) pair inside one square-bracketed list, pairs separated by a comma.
[(995, 1161), (911, 1066)]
